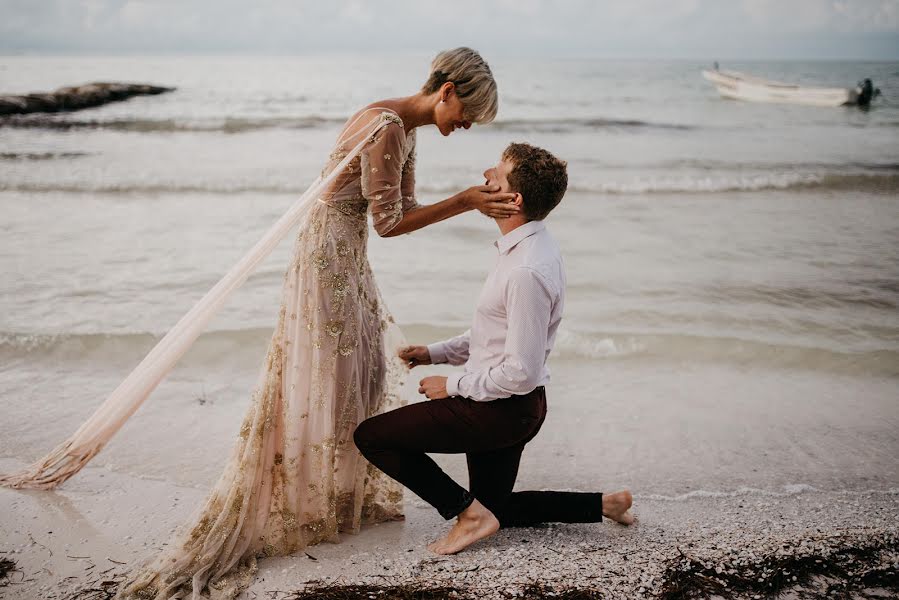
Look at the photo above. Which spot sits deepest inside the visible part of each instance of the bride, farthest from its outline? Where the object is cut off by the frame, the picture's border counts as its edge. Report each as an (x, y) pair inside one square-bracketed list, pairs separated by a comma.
[(294, 477)]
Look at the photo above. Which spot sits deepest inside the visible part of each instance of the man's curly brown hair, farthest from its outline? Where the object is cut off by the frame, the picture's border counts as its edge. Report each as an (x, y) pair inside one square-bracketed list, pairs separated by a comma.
[(538, 176)]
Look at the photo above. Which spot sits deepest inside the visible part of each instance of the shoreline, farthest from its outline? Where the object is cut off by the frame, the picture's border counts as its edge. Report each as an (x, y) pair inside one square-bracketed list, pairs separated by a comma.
[(100, 522)]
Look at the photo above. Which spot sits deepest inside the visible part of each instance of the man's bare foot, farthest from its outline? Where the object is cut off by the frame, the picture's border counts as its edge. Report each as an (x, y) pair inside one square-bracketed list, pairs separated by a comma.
[(617, 507), (474, 523)]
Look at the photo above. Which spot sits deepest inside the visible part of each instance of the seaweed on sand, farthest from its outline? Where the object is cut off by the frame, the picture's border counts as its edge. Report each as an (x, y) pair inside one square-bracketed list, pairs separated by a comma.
[(835, 567), (7, 566), (408, 591)]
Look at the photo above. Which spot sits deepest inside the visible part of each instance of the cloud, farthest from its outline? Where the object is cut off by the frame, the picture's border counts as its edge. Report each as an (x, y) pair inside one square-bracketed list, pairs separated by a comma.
[(845, 16), (637, 28)]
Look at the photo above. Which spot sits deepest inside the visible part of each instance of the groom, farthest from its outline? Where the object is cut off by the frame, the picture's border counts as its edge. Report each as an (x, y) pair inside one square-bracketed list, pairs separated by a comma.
[(498, 403)]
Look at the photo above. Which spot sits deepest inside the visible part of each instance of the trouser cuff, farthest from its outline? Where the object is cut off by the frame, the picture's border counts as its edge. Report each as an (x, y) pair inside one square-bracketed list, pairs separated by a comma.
[(451, 511)]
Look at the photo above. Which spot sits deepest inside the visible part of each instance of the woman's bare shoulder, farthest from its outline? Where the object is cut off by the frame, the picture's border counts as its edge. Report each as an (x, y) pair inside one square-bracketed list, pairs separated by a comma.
[(382, 106), (362, 119)]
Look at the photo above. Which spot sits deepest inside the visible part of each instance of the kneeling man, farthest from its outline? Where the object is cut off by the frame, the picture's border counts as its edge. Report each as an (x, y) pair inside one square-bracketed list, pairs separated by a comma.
[(498, 403)]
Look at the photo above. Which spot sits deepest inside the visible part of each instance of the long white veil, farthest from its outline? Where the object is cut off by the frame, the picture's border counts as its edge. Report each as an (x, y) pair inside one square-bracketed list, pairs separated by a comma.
[(71, 455)]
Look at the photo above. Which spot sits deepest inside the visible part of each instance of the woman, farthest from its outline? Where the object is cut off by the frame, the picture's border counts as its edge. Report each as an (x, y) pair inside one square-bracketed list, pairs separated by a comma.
[(295, 477)]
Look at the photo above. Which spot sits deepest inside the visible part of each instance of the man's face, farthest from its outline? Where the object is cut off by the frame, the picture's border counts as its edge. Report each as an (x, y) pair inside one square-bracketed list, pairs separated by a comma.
[(498, 175)]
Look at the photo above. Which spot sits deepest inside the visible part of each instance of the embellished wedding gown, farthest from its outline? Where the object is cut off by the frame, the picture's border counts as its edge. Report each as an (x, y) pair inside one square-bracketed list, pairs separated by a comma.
[(294, 477)]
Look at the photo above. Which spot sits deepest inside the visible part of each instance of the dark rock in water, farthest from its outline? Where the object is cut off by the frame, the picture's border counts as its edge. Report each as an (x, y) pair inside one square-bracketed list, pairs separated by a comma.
[(10, 105), (76, 97)]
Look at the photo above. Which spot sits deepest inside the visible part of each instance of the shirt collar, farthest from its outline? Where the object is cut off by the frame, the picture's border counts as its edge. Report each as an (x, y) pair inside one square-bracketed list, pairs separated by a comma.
[(511, 239)]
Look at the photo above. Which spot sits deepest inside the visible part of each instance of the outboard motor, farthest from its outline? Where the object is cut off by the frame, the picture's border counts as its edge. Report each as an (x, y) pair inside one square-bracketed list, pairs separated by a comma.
[(866, 92)]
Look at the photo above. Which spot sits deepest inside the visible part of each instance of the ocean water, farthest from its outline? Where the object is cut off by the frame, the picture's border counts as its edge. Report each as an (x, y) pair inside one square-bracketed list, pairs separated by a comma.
[(733, 268)]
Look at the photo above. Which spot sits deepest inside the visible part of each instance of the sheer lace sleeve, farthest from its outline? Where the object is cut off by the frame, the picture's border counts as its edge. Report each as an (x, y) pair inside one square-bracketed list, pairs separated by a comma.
[(382, 174), (407, 185)]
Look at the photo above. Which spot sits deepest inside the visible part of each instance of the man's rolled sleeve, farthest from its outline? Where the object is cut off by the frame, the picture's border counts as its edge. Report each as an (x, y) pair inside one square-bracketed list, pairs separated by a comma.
[(452, 384), (437, 351)]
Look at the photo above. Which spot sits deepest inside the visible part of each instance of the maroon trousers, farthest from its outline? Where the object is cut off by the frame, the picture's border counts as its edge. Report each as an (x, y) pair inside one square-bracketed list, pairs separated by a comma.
[(492, 435)]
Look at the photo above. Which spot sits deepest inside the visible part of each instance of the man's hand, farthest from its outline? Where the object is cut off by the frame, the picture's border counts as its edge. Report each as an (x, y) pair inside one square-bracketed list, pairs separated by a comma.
[(434, 387), (414, 356)]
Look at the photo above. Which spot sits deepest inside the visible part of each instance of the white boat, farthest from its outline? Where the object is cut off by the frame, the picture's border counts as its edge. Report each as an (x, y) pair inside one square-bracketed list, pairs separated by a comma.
[(740, 86)]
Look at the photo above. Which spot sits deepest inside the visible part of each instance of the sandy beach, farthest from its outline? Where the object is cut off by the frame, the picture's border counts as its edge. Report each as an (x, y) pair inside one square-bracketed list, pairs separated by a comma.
[(62, 540)]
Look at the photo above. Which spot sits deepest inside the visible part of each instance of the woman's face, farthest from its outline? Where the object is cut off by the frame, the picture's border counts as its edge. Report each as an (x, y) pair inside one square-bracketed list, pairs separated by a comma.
[(450, 113)]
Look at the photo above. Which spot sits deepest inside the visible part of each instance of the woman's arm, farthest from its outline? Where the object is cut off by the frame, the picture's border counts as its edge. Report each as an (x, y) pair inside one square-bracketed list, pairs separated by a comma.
[(389, 186), (485, 198)]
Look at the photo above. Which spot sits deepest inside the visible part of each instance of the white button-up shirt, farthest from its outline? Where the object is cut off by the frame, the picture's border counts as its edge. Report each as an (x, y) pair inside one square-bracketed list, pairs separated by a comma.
[(515, 323)]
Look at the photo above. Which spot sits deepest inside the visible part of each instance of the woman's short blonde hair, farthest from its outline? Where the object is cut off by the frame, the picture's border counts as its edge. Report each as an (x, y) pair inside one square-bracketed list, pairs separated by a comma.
[(474, 82)]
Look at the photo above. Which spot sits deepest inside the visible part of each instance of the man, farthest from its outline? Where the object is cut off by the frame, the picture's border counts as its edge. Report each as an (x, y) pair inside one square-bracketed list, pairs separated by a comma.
[(497, 405)]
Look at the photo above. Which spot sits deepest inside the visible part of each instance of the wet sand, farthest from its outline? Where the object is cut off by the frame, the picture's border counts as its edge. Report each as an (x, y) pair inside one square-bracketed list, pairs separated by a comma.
[(62, 540)]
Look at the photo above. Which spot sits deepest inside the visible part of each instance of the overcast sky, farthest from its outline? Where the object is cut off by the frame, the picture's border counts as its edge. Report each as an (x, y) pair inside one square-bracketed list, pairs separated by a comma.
[(701, 29)]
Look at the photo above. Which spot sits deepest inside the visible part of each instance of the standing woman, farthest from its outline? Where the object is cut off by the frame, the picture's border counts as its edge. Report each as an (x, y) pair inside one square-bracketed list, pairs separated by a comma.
[(295, 477)]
